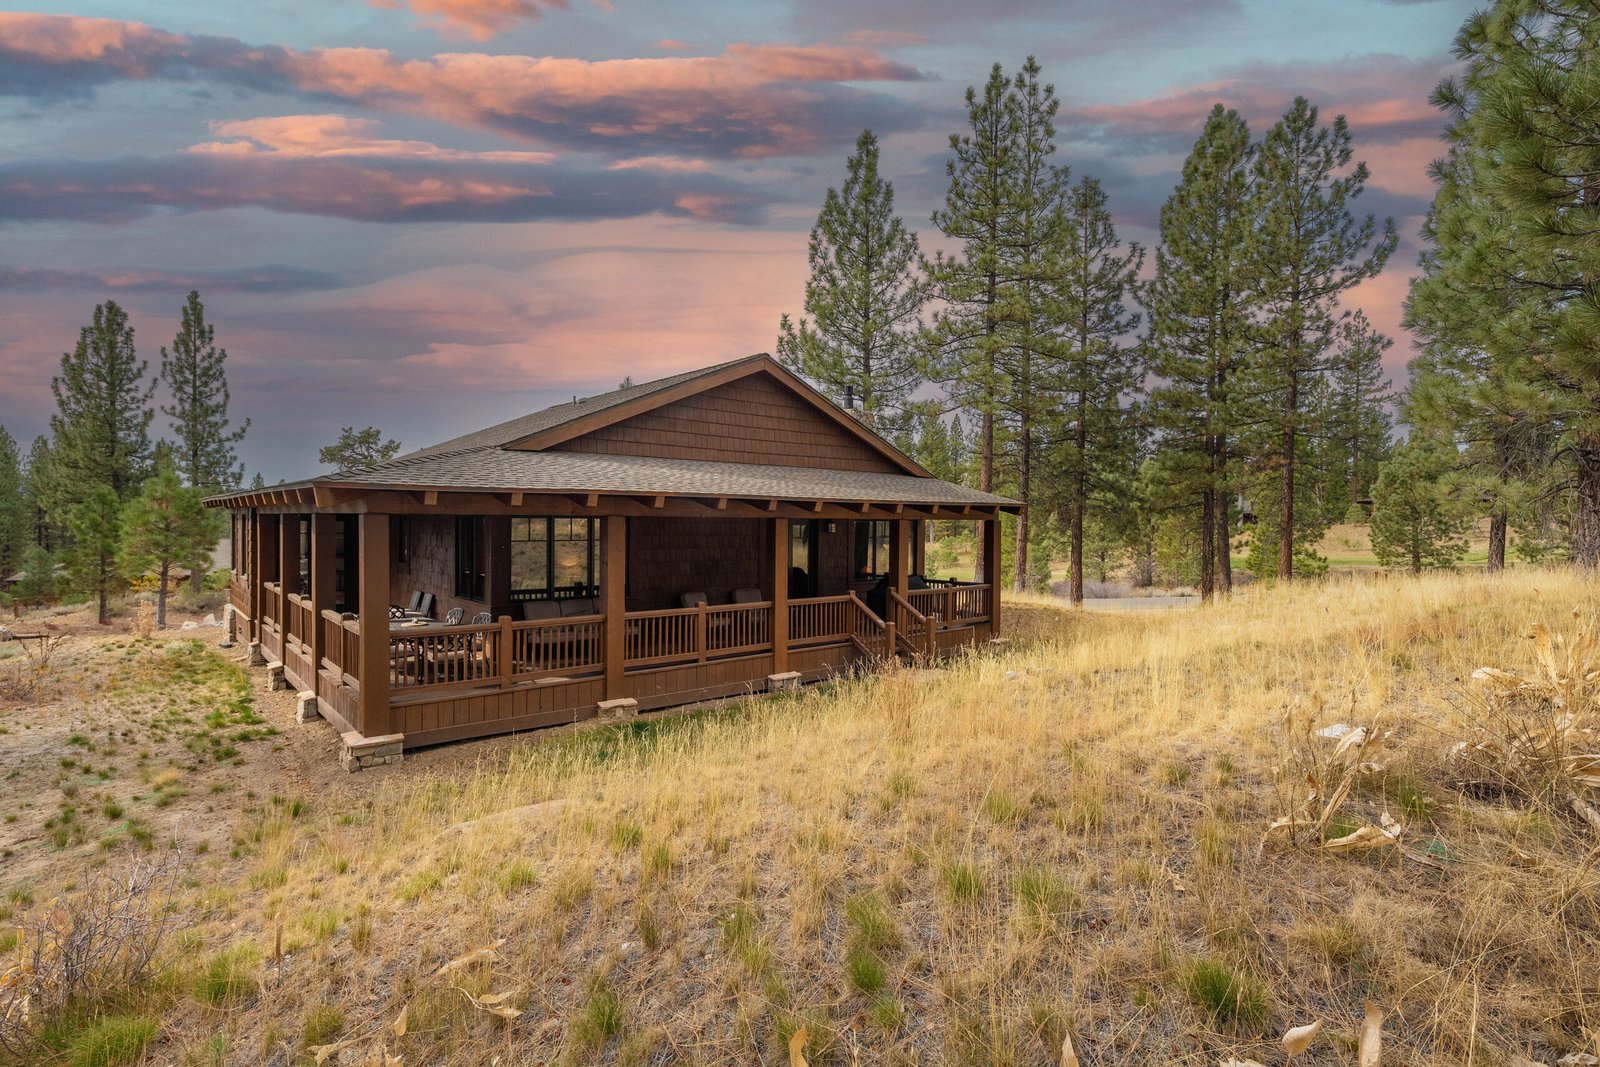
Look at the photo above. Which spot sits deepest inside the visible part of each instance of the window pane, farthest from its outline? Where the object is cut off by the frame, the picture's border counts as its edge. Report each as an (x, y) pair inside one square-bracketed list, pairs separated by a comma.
[(530, 555)]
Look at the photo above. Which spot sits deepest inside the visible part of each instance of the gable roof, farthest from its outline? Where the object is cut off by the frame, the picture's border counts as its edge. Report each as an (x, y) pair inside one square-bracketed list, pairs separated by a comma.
[(521, 454), (563, 422)]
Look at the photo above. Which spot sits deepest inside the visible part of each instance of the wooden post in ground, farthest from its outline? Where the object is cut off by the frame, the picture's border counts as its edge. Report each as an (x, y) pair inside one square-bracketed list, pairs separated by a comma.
[(372, 604), (614, 593), (991, 570), (288, 571), (263, 560), (899, 558), (780, 594), (323, 531)]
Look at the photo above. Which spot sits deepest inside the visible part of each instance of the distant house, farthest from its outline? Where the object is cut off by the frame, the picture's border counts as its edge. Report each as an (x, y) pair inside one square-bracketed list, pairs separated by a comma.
[(711, 533)]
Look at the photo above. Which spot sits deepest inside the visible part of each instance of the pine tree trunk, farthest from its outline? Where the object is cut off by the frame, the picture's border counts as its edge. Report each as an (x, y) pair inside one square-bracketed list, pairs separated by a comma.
[(1286, 505), (1497, 540), (105, 613), (1208, 543), (1223, 523), (1019, 574), (161, 598), (1586, 523), (1080, 490)]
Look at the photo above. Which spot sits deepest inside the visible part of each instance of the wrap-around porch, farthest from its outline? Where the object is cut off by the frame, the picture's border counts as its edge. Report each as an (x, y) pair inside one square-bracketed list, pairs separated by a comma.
[(665, 603)]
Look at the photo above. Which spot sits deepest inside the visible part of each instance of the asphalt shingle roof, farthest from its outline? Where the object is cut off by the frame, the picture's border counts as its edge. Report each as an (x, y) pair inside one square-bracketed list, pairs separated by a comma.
[(582, 472)]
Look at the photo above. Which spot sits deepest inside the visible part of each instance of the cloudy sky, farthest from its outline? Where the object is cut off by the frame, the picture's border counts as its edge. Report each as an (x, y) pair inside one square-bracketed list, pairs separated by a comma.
[(429, 215)]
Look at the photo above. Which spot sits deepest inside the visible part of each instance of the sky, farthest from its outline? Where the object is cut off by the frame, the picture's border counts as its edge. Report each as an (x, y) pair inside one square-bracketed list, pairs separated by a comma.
[(433, 215)]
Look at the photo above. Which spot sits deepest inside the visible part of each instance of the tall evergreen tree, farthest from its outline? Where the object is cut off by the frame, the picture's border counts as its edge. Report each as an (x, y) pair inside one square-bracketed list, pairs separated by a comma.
[(1517, 225), (357, 450), (1199, 301), (1033, 260), (864, 295), (1100, 373), (166, 525), (102, 423), (966, 335), (1358, 424), (38, 485), (196, 375), (1309, 250), (14, 527), (96, 524), (1415, 519)]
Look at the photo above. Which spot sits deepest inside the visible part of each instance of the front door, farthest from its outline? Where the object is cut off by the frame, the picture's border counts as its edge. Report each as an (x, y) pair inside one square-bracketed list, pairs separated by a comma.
[(802, 559)]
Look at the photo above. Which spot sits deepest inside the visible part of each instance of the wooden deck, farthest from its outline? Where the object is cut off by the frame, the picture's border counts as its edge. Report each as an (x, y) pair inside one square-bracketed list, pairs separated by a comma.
[(452, 682)]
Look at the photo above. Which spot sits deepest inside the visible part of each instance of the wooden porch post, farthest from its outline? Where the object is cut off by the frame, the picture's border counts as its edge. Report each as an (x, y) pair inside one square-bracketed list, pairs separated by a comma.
[(614, 592), (321, 592), (991, 570), (780, 595), (373, 606), (899, 561), (288, 570), (263, 532)]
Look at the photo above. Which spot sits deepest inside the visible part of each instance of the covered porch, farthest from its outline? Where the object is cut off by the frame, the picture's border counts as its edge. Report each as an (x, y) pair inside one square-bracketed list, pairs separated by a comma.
[(545, 609)]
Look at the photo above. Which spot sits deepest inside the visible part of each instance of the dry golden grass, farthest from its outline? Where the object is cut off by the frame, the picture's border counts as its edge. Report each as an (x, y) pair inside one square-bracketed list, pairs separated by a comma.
[(956, 866)]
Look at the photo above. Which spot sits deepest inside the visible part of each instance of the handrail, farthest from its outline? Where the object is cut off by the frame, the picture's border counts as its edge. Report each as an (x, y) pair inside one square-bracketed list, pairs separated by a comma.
[(911, 624), (694, 635), (871, 635)]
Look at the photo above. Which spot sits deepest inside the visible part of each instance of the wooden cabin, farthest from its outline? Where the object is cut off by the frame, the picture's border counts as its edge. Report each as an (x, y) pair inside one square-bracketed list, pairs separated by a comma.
[(718, 532)]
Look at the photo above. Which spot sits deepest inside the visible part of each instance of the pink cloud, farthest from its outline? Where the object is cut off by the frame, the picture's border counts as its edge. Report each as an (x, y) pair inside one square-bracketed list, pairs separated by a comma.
[(750, 101), (334, 136), (477, 19)]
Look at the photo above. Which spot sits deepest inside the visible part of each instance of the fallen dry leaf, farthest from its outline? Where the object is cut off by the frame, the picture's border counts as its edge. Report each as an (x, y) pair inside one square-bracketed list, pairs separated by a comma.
[(399, 1026), (1232, 1062), (487, 952), (1299, 1038), (1069, 1058), (797, 1048), (1371, 1054), (1367, 836), (321, 1052)]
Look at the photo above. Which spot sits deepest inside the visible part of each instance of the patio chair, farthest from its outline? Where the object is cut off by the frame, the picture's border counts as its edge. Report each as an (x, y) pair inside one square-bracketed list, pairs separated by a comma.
[(396, 611), (692, 600), (454, 617), (425, 606), (747, 595), (482, 618), (415, 604)]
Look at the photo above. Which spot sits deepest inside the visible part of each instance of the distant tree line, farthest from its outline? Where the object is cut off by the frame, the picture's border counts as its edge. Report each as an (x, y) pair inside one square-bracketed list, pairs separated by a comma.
[(95, 504), (1154, 416)]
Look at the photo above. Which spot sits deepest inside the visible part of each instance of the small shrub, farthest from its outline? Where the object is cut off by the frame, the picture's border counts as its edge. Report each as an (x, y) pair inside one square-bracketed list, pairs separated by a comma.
[(1002, 808), (519, 875), (321, 1025), (601, 1019), (961, 880), (865, 970), (1042, 894), (114, 1040), (226, 979), (1225, 994), (873, 922)]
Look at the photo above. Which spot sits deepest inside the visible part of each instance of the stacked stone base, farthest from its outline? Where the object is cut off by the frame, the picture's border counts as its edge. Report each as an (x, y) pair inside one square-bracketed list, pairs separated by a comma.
[(358, 753)]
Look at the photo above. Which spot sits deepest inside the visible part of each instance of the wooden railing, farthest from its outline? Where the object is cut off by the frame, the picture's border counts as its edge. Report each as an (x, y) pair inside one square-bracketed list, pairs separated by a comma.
[(951, 605), (239, 594), (913, 634), (686, 635), (299, 617), (819, 620), (870, 634), (341, 646), (499, 654), (271, 601)]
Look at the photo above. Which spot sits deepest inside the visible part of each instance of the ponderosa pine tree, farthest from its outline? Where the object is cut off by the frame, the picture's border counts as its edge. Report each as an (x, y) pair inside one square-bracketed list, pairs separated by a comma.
[(1034, 254), (1198, 302), (357, 450), (195, 373), (1099, 374), (864, 296), (38, 481), (166, 525), (1308, 250), (1517, 226), (1415, 519), (14, 527), (96, 524), (101, 427), (966, 336), (1358, 425)]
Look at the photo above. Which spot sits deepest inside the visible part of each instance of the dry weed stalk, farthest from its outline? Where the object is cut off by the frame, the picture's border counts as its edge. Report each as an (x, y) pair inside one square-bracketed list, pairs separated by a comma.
[(1330, 760), (77, 949), (1539, 737)]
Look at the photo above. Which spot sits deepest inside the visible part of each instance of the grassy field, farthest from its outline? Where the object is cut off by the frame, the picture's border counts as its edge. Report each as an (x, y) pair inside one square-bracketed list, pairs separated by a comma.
[(1068, 838)]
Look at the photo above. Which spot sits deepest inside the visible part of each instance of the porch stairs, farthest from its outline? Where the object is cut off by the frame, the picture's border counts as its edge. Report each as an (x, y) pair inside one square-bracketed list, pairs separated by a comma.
[(905, 634)]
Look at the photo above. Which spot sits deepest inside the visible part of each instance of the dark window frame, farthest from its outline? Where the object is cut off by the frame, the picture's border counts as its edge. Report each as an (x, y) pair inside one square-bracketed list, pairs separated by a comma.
[(870, 547), (548, 526), (471, 558)]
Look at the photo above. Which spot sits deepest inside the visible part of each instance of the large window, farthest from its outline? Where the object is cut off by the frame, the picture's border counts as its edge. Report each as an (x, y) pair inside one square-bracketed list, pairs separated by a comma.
[(552, 558), (470, 561), (872, 548)]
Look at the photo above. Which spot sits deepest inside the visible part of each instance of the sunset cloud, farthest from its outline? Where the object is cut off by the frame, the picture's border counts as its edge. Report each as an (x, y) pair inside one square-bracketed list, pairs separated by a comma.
[(334, 136), (478, 19), (751, 101), (395, 189)]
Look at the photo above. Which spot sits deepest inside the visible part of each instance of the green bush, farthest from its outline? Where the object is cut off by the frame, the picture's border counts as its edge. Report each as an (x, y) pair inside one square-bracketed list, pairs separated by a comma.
[(226, 979), (1227, 995), (116, 1039)]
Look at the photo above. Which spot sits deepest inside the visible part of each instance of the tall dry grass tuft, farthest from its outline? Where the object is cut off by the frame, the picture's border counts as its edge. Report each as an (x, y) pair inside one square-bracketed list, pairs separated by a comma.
[(974, 864)]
